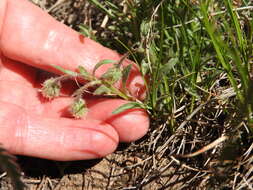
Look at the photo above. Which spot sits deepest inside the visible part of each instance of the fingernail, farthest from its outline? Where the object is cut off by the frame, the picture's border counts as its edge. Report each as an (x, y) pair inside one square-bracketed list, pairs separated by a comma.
[(137, 87), (91, 143)]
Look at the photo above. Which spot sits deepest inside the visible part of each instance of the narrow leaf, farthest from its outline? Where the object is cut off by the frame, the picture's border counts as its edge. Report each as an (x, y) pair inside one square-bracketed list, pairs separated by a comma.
[(98, 4), (102, 90), (112, 75), (84, 73), (112, 6), (9, 165), (103, 62), (126, 106), (125, 75), (68, 72), (144, 67), (168, 66), (84, 30), (145, 27)]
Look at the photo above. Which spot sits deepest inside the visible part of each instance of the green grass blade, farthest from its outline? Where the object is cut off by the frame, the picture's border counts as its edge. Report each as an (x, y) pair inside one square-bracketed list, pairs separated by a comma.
[(125, 75), (127, 106), (99, 5), (219, 46), (65, 71), (103, 62)]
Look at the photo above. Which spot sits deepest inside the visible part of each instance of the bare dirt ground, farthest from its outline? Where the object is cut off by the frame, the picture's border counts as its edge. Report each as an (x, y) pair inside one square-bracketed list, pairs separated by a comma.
[(151, 163)]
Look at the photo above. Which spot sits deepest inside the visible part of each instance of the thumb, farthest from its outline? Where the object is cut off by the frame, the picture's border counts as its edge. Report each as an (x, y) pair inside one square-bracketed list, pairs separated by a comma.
[(62, 139)]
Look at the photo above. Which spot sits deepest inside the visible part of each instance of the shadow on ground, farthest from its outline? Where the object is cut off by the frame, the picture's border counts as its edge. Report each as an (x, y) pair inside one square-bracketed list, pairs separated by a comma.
[(35, 167)]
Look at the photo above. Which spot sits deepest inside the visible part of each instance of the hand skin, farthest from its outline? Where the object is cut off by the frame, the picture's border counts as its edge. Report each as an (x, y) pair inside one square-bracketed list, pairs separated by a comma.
[(29, 125)]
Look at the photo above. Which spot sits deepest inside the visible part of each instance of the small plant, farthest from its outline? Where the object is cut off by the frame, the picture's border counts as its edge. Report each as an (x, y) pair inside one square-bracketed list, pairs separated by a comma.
[(103, 86)]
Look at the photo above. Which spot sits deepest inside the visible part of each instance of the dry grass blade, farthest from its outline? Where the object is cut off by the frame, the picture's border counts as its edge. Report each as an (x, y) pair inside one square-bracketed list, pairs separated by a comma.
[(186, 166), (58, 3), (9, 165), (213, 14), (206, 148)]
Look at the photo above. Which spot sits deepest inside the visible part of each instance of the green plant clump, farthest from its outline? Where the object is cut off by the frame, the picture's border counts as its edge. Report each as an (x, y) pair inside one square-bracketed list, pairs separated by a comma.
[(198, 59), (97, 86)]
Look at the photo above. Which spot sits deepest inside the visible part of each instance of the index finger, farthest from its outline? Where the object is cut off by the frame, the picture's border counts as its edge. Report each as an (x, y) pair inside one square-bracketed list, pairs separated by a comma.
[(30, 35)]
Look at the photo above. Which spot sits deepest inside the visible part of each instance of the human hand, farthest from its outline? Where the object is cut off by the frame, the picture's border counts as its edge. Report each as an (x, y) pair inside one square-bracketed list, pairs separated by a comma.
[(31, 39)]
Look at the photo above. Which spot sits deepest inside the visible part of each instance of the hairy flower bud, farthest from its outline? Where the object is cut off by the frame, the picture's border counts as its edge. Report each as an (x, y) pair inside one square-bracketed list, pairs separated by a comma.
[(78, 109), (112, 75), (51, 88)]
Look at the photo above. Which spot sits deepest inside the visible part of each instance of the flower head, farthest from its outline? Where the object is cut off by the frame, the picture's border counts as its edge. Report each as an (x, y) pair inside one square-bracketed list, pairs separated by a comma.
[(51, 88), (78, 108)]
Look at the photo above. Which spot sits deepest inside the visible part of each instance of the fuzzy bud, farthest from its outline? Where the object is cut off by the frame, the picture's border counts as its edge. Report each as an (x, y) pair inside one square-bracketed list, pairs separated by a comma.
[(78, 109), (51, 88), (112, 75)]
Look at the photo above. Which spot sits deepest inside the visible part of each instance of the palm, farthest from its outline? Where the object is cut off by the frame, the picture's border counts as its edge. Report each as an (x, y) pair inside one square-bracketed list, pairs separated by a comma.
[(35, 127)]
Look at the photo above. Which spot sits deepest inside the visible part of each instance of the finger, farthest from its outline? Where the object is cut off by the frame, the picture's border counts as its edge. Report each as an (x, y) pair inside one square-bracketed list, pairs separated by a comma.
[(3, 4), (57, 139), (130, 125), (18, 72), (48, 42), (27, 75), (20, 94)]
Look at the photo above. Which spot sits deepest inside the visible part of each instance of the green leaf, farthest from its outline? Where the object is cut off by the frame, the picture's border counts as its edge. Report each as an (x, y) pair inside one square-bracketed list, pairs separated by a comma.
[(153, 53), (126, 106), (84, 30), (112, 75), (125, 75), (145, 26), (144, 67), (103, 62), (84, 73), (112, 6), (68, 72), (87, 31), (99, 5), (9, 165), (102, 90), (168, 66)]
